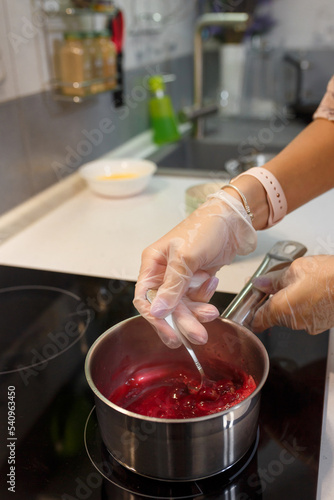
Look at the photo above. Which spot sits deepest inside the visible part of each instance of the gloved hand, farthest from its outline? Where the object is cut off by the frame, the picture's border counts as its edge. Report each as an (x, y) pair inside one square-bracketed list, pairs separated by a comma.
[(303, 296), (182, 265)]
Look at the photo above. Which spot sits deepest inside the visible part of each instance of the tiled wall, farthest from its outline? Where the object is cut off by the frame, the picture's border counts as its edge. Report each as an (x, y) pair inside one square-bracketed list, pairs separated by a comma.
[(174, 33), (303, 23), (38, 135), (42, 140), (23, 54)]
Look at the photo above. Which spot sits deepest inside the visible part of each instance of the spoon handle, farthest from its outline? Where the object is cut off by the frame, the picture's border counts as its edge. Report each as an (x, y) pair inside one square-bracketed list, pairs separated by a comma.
[(186, 344), (150, 295)]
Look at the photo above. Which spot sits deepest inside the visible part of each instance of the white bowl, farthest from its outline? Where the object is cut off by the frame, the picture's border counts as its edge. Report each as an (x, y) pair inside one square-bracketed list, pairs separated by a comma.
[(118, 178)]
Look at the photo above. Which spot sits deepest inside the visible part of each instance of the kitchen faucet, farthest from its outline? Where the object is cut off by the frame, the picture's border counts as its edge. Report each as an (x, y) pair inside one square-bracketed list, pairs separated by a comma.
[(198, 111)]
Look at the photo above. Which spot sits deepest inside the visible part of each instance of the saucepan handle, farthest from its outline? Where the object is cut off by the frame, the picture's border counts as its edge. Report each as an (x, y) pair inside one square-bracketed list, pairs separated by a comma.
[(243, 306)]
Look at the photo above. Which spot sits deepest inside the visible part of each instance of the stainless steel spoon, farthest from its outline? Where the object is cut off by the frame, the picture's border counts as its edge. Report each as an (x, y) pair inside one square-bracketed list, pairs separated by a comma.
[(150, 295)]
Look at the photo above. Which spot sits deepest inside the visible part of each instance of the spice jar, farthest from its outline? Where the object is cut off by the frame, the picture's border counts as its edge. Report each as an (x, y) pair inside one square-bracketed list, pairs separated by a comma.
[(104, 6), (75, 67), (105, 63), (89, 45)]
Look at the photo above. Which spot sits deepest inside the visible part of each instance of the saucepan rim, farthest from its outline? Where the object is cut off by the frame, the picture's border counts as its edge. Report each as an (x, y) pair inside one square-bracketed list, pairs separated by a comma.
[(158, 420)]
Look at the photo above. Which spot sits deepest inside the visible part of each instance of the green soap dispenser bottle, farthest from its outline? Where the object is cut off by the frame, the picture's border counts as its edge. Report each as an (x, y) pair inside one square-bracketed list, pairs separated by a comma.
[(163, 120)]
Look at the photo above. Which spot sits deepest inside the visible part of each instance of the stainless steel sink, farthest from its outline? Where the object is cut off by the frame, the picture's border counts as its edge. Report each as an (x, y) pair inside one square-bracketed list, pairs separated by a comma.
[(226, 139), (197, 157)]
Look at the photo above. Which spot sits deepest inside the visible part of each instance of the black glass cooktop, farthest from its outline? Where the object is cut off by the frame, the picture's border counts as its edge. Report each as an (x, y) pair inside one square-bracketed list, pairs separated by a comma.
[(50, 445)]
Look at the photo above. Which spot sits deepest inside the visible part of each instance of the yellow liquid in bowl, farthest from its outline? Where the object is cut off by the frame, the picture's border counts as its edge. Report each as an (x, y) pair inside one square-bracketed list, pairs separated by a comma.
[(117, 176)]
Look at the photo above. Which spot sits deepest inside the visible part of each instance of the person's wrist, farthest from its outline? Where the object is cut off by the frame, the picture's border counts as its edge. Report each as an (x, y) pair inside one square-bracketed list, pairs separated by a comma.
[(235, 222), (256, 198), (242, 198)]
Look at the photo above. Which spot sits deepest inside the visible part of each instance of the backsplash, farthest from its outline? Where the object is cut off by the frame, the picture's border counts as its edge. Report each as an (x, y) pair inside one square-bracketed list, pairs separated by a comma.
[(302, 24), (43, 140), (23, 39)]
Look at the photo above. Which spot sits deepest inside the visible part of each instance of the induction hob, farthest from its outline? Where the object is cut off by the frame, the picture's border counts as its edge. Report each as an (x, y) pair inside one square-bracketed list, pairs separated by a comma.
[(50, 445)]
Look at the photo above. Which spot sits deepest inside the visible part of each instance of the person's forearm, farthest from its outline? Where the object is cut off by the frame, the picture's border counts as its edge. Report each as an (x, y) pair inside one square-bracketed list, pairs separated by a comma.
[(305, 169)]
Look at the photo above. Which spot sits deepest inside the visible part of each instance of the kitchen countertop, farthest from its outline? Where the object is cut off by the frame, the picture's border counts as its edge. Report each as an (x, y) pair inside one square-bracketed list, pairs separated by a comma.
[(87, 234), (67, 228)]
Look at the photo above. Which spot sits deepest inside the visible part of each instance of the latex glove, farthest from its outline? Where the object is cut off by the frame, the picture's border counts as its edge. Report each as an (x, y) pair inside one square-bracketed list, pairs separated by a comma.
[(195, 249), (303, 296)]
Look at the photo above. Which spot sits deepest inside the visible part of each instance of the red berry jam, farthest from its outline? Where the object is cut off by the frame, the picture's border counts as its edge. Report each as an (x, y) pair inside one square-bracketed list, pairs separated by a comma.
[(173, 393)]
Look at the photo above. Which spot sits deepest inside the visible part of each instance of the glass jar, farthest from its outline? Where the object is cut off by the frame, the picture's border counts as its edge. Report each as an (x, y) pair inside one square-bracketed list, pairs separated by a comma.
[(104, 6), (75, 67), (105, 63), (89, 44)]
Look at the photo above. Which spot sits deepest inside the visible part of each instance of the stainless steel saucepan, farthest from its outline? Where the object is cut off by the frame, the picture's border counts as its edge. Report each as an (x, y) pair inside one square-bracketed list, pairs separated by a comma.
[(189, 449)]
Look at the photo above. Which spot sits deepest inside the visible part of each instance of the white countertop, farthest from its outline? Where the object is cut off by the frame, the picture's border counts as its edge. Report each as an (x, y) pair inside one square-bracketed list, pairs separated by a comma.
[(96, 236), (69, 229)]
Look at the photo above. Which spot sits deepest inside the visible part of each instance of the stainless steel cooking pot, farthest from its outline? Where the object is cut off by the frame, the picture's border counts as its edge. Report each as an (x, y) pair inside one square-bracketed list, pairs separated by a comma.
[(188, 449)]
